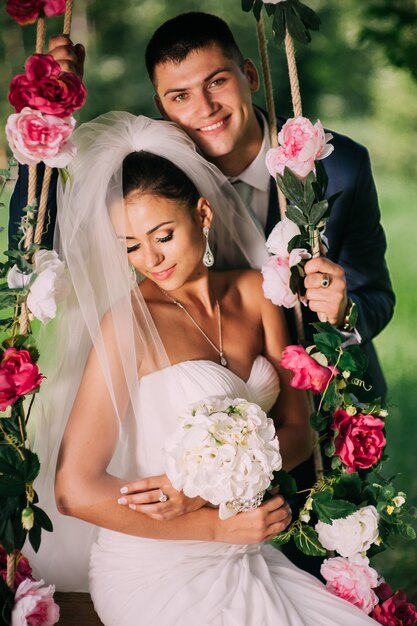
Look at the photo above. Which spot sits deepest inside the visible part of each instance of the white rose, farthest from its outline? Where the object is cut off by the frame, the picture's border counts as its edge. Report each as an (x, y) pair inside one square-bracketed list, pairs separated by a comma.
[(50, 287), (16, 279), (350, 535), (276, 283), (282, 233)]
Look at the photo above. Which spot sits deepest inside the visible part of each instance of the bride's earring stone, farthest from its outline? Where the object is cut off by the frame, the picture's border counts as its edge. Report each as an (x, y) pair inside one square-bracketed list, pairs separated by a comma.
[(208, 256)]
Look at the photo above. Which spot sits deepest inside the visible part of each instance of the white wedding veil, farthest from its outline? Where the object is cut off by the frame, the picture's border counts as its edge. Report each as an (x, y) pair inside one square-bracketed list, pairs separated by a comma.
[(102, 287)]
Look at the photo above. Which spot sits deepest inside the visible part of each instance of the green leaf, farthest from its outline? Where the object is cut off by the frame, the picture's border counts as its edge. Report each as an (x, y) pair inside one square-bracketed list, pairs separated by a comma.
[(306, 540), (287, 484), (309, 17), (318, 211), (299, 241), (328, 509), (42, 519), (327, 343), (296, 216), (329, 449), (349, 486), (35, 537), (257, 9), (278, 24), (247, 5), (319, 421), (281, 539), (295, 25)]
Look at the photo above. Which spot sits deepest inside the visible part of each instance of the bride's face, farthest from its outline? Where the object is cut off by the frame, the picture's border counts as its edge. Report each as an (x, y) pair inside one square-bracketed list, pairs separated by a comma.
[(164, 238)]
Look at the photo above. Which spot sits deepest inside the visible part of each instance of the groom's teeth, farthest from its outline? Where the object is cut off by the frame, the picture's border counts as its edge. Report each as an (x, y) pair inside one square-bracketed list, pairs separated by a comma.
[(213, 126)]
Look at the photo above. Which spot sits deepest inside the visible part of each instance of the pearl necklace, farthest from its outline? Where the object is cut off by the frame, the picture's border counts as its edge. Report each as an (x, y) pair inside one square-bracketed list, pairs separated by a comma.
[(219, 350)]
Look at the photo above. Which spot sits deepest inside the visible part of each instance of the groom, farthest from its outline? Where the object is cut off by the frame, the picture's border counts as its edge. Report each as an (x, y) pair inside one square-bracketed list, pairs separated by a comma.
[(203, 83)]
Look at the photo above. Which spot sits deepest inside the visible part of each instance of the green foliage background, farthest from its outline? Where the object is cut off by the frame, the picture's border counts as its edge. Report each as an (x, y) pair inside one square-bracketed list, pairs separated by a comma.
[(358, 76)]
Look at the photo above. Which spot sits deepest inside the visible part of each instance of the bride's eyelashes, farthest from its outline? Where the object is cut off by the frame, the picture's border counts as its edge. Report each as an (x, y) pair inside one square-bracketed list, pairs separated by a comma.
[(166, 238), (136, 246)]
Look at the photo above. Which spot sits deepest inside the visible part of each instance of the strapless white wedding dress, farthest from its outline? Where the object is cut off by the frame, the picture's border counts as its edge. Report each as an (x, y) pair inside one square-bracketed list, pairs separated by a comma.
[(148, 582)]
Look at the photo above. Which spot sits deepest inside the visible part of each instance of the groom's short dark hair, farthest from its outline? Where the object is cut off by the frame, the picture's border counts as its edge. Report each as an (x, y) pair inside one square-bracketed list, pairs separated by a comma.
[(175, 39)]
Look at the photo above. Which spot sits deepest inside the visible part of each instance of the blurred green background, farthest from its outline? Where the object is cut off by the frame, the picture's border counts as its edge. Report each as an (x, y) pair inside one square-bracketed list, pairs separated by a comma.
[(359, 77)]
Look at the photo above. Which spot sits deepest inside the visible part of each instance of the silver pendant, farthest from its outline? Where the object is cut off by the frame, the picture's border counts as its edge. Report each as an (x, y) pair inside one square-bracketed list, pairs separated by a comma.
[(223, 360)]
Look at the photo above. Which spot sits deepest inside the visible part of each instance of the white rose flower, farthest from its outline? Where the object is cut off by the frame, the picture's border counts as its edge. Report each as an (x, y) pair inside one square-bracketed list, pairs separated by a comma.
[(223, 450), (282, 233), (350, 535), (16, 279), (50, 287)]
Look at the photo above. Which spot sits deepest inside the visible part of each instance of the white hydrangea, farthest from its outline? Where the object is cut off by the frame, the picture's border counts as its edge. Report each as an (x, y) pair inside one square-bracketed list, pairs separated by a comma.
[(223, 449)]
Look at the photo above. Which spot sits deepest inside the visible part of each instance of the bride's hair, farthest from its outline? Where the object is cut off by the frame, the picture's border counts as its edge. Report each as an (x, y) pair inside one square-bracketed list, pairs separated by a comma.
[(146, 173)]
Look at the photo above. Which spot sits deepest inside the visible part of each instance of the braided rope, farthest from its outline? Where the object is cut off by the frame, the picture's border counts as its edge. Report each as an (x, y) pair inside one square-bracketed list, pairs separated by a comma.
[(11, 570), (43, 204), (293, 74), (297, 108), (40, 35), (67, 18)]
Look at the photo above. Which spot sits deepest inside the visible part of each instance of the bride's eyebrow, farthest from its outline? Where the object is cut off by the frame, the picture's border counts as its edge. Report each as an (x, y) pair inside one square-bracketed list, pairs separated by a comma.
[(152, 230)]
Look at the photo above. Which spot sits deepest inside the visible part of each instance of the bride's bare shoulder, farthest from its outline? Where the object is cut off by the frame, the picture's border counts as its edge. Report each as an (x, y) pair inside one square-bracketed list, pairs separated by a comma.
[(246, 281)]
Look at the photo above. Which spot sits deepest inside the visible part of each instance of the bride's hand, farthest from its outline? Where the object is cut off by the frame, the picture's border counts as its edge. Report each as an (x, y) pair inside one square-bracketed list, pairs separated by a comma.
[(156, 497), (256, 526)]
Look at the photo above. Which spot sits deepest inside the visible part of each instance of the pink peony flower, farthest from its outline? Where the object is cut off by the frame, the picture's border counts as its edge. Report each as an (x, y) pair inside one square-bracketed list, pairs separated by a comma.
[(27, 11), (46, 88), (351, 579), (34, 137), (300, 144), (308, 374), (360, 440), (23, 569), (276, 283), (18, 376), (395, 611), (34, 605)]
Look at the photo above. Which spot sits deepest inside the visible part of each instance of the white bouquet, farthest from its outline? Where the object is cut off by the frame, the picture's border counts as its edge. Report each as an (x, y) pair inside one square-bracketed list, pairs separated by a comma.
[(224, 451)]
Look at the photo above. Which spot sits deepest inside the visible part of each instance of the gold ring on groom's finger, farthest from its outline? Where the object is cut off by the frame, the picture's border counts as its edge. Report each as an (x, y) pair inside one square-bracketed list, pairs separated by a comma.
[(162, 496), (325, 281)]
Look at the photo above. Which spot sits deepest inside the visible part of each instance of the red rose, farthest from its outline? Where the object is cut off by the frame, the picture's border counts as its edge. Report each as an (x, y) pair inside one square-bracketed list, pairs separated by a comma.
[(24, 11), (44, 87), (360, 440), (28, 11), (395, 611), (308, 374), (18, 375)]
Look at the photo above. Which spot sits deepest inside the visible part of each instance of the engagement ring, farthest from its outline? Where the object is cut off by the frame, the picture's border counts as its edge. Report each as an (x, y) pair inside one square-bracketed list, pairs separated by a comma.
[(162, 496)]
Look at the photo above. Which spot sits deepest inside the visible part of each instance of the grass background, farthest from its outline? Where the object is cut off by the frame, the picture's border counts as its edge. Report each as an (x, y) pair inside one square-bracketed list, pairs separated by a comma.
[(397, 349)]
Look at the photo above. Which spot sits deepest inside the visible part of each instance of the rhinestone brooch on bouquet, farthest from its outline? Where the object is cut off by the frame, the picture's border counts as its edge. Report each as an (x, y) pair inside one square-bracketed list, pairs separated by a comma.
[(241, 505)]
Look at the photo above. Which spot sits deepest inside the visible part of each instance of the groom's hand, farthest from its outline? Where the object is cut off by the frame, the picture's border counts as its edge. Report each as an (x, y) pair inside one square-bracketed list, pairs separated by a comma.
[(325, 283), (70, 58)]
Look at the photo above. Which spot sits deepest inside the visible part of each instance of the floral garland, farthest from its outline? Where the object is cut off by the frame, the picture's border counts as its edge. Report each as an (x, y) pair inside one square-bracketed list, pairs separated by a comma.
[(352, 510), (32, 283)]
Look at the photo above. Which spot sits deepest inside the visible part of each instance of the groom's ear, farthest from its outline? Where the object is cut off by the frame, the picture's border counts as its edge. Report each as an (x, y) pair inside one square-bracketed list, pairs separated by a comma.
[(159, 106)]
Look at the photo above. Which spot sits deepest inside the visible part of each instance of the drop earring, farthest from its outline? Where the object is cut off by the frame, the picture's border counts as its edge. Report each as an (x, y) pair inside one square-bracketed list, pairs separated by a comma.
[(208, 257)]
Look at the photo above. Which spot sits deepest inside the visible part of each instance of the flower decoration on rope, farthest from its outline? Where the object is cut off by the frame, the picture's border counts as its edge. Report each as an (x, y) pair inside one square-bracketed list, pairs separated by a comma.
[(291, 15), (296, 165), (28, 11), (44, 99)]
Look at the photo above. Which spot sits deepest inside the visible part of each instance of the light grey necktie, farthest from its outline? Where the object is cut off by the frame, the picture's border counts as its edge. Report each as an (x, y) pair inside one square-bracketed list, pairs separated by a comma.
[(245, 192)]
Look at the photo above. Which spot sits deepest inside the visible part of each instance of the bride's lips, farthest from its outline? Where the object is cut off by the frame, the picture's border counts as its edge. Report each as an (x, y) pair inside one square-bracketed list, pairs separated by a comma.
[(164, 274), (214, 127)]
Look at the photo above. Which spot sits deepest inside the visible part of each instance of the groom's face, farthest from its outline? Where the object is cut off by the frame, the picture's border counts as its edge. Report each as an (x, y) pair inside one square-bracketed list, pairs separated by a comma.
[(209, 94)]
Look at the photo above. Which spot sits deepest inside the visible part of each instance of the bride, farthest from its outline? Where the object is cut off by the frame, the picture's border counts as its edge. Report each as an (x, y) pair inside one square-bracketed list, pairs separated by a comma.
[(147, 331)]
